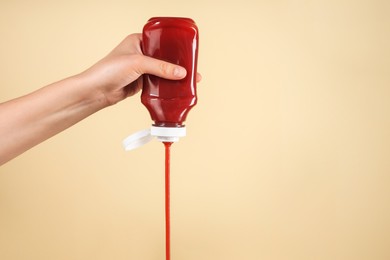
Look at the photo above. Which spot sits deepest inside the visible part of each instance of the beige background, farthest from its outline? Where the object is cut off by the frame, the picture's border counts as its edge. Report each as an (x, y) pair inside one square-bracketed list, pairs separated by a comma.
[(287, 154)]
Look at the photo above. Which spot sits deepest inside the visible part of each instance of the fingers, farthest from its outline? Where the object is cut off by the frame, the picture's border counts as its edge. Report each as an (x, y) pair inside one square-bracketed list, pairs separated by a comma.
[(165, 69), (162, 69), (198, 77), (132, 45)]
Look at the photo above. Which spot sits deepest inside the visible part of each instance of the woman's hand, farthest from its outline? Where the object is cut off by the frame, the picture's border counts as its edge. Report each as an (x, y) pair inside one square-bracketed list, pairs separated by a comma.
[(118, 75)]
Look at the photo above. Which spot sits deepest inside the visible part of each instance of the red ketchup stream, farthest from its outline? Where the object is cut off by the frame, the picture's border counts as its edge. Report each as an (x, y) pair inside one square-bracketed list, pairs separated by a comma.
[(167, 200)]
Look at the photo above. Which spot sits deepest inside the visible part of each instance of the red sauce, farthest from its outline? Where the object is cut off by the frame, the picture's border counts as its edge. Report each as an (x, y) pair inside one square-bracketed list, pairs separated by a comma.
[(174, 40), (167, 201)]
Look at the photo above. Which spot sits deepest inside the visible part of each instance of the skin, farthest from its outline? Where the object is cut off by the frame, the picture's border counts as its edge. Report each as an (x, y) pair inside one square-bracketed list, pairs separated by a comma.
[(31, 119)]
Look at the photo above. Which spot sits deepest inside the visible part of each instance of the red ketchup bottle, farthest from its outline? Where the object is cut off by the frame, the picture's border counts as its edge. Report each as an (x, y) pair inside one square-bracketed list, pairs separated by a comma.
[(174, 40)]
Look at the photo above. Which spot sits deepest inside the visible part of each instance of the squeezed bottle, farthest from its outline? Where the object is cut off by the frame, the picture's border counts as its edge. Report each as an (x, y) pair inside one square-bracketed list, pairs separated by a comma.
[(174, 40)]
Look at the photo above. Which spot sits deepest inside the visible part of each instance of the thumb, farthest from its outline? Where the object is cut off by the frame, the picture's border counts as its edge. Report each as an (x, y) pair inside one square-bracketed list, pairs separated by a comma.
[(161, 68)]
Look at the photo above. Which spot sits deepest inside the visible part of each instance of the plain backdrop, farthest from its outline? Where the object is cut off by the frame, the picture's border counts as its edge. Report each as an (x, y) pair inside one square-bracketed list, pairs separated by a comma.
[(288, 150)]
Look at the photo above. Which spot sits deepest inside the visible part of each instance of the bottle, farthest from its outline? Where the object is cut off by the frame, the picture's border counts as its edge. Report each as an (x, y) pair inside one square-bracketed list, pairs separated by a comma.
[(174, 40)]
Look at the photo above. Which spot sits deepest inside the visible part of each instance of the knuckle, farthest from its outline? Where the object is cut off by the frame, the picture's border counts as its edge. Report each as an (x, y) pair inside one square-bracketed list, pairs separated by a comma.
[(164, 68), (137, 58), (139, 63), (133, 37)]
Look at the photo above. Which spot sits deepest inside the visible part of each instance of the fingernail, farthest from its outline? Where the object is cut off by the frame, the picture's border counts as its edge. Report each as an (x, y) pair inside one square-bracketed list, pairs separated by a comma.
[(179, 72)]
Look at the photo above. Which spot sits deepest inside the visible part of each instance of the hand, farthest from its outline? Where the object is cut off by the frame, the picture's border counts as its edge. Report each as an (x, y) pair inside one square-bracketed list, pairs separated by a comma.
[(118, 75)]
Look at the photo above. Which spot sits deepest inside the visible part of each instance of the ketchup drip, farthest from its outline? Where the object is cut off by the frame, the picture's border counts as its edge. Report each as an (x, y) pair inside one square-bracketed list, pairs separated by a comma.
[(167, 201)]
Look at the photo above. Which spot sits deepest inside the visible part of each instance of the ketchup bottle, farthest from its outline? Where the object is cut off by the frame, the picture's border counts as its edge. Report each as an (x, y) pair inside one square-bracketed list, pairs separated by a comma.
[(174, 40)]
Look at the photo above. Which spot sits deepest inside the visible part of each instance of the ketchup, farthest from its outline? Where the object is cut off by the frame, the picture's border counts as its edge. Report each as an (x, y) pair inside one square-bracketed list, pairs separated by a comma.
[(174, 40), (167, 201)]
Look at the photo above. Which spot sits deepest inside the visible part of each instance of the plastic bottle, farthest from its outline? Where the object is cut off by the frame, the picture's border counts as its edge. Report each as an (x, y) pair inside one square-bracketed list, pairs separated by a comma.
[(174, 40)]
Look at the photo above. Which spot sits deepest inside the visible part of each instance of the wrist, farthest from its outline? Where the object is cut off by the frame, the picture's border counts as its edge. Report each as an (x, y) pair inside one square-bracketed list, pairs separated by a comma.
[(88, 92)]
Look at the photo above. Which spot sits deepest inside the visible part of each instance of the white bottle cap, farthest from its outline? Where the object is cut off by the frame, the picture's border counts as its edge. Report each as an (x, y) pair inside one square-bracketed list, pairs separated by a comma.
[(163, 134), (168, 134)]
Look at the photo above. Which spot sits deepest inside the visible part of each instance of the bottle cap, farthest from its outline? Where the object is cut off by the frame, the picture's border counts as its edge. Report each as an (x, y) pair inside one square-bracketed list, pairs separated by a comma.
[(168, 134), (163, 134), (137, 139)]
